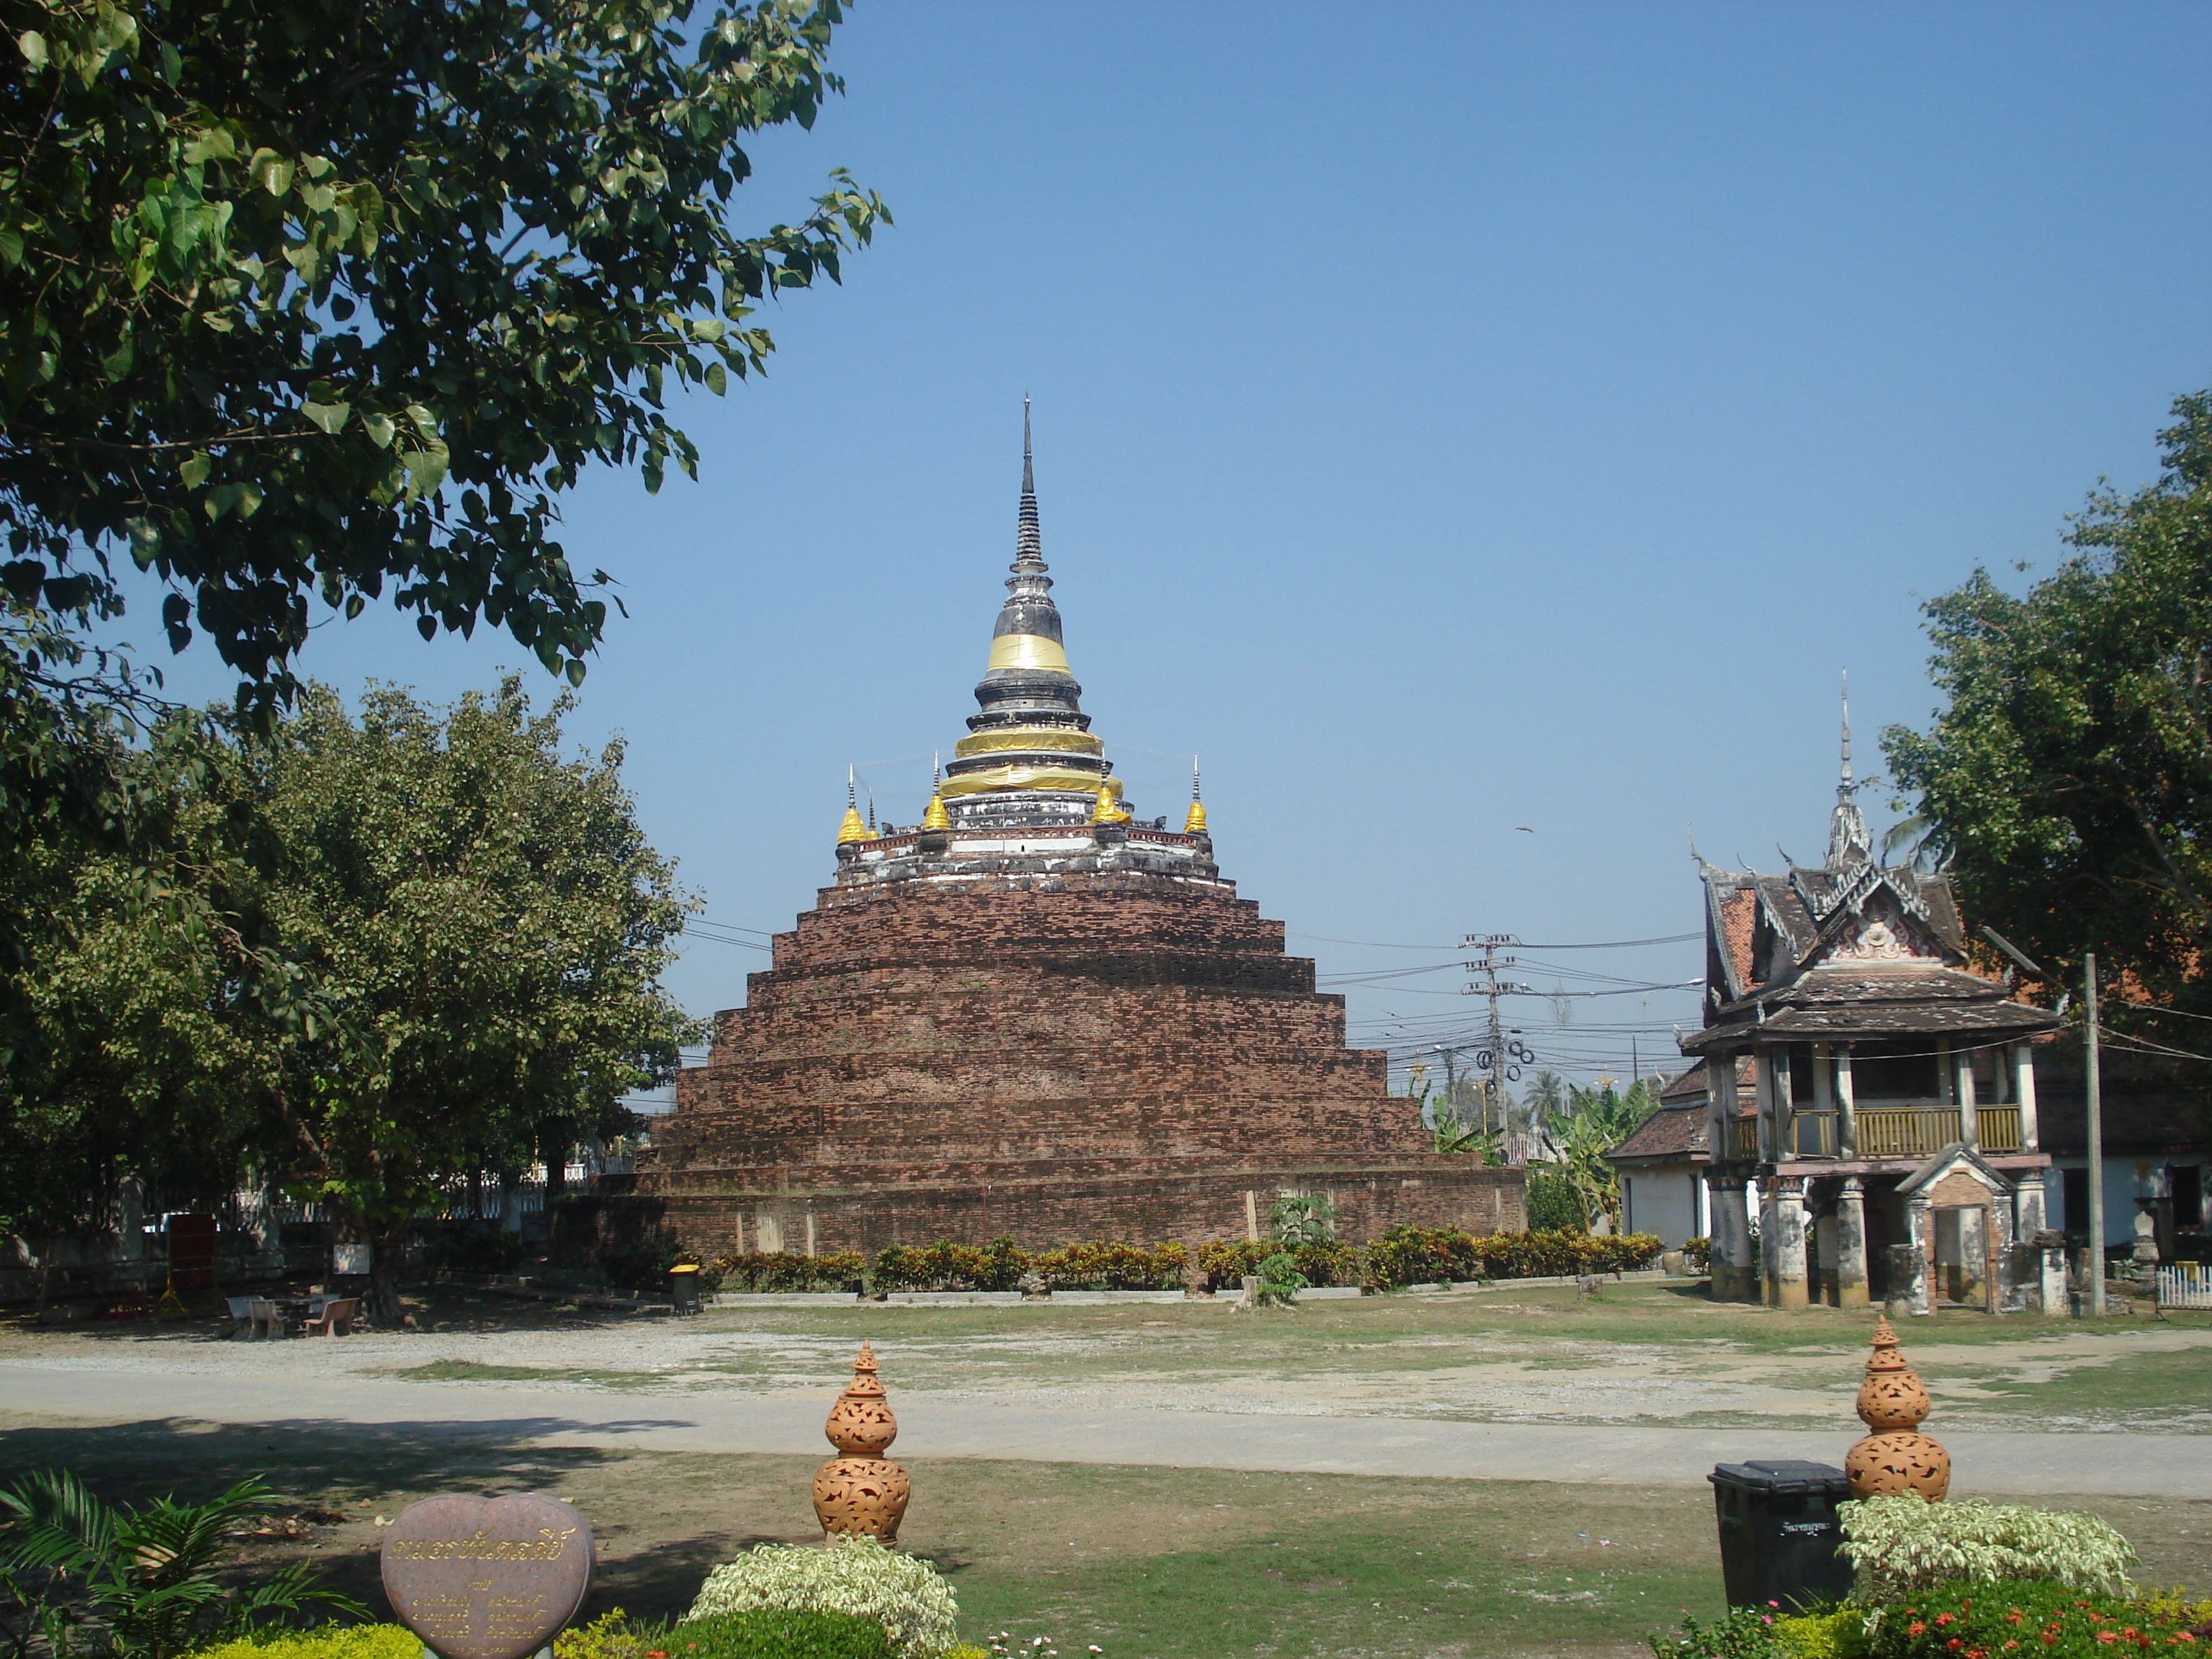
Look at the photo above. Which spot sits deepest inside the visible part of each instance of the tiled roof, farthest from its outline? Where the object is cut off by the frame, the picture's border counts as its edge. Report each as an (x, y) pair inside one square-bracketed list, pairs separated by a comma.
[(1673, 1132)]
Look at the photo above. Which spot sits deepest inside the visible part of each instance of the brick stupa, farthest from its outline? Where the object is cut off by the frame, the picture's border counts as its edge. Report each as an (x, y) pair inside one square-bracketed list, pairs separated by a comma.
[(1033, 1015)]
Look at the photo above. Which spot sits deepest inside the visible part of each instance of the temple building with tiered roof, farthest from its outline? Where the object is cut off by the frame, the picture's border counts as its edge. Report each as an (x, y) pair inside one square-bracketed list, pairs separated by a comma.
[(1887, 1145), (1033, 1015)]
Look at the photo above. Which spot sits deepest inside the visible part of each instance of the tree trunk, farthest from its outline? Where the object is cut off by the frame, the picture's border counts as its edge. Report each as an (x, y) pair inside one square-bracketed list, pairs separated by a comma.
[(387, 1257)]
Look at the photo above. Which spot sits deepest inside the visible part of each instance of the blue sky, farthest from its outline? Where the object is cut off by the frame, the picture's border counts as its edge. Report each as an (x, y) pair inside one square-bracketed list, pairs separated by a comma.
[(1450, 418)]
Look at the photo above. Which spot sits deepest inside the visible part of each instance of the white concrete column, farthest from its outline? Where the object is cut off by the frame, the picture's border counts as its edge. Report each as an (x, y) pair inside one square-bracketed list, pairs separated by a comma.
[(1847, 1127), (1785, 1143), (1970, 1122), (2023, 1072)]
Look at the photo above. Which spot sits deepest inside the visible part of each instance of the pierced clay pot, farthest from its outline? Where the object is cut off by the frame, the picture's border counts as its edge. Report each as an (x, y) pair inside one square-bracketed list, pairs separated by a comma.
[(861, 1494), (1882, 1464), (1893, 1401), (1892, 1397), (862, 1491)]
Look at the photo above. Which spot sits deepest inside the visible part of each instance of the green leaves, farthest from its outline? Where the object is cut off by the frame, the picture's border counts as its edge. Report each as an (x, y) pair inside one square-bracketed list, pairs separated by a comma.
[(204, 219), (2068, 778)]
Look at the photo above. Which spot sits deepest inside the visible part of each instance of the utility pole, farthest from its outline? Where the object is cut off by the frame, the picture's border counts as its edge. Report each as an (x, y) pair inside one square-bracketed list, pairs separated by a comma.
[(1495, 1058), (2093, 1084)]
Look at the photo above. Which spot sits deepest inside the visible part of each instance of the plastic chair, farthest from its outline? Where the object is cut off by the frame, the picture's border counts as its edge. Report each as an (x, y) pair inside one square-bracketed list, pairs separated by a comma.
[(335, 1318)]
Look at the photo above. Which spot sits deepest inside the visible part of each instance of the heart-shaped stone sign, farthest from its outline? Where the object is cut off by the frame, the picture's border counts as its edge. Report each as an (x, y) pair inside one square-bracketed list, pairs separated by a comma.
[(487, 1577)]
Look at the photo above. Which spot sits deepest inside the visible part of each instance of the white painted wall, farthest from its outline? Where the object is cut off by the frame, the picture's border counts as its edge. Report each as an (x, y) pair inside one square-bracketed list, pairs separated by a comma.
[(1664, 1198)]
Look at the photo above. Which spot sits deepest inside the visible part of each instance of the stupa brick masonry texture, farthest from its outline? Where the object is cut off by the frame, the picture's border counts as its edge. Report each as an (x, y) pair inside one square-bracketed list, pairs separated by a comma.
[(1103, 1054)]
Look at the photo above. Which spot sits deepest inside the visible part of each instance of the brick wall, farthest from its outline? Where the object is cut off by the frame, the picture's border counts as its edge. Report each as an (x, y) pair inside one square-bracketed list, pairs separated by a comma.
[(1121, 1055)]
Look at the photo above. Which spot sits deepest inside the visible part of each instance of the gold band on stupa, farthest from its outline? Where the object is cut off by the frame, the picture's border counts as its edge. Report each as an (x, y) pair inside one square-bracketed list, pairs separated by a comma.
[(1032, 651), (1024, 777), (1028, 738)]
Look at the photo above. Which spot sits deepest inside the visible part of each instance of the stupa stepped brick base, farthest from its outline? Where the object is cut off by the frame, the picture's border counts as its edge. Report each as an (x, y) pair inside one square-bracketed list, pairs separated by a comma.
[(1033, 1015), (966, 1050)]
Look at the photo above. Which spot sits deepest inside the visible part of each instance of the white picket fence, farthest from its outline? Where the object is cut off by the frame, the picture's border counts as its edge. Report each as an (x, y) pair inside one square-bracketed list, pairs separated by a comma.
[(2185, 1285)]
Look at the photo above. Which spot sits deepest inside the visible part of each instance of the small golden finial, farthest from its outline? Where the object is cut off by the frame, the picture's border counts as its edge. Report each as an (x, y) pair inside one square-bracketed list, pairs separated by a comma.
[(1194, 822), (1107, 810), (935, 818), (854, 828)]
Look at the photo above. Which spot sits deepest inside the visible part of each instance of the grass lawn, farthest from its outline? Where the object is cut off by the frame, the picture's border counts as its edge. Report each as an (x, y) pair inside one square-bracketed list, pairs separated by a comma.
[(1164, 1562)]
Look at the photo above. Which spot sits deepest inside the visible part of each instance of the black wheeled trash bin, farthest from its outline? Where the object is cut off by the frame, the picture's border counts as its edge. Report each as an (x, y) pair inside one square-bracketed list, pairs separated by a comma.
[(684, 1287), (1779, 1532)]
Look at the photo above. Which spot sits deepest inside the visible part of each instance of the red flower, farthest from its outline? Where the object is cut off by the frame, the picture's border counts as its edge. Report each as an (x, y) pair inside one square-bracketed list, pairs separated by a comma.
[(1953, 1645), (1942, 1619), (2009, 1646), (2014, 1617), (1916, 1628), (2108, 1636)]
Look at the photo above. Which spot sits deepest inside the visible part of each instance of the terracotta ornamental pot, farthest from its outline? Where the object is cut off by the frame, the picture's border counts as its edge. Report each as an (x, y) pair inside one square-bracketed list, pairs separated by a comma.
[(862, 1491), (1893, 1402)]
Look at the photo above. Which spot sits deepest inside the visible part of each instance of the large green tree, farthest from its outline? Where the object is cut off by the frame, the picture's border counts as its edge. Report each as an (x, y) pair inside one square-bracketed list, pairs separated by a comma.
[(309, 299), (482, 925), (373, 956), (2068, 779)]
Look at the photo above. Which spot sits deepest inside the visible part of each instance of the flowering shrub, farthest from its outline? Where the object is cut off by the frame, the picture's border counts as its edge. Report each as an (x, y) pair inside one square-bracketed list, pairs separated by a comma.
[(2033, 1619), (1740, 1633), (787, 1270), (1698, 1255), (1427, 1255), (1901, 1544), (853, 1575)]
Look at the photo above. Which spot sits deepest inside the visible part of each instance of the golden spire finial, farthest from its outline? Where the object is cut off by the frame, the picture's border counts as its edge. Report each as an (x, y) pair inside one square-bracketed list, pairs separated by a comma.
[(1106, 808), (853, 829), (935, 818), (1193, 822)]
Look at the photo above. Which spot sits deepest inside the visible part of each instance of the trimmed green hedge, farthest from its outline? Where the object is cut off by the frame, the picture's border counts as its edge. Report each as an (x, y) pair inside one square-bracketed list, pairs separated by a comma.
[(1404, 1256), (787, 1270), (326, 1642), (1425, 1255), (779, 1633)]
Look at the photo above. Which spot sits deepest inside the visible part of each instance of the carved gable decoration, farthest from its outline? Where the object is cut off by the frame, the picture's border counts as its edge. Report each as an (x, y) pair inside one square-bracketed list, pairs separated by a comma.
[(1878, 933), (1851, 889)]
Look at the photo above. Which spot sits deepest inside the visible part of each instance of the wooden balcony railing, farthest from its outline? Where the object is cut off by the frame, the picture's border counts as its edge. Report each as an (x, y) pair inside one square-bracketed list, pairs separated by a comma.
[(1998, 1128), (1814, 1134), (1913, 1131)]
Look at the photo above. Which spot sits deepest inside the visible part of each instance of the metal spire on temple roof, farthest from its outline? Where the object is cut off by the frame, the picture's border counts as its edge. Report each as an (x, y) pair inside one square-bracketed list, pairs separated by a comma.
[(1193, 822), (1848, 842), (1029, 539), (853, 829)]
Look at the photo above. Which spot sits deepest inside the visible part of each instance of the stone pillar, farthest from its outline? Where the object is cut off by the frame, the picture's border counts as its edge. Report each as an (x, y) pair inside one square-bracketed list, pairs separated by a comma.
[(1913, 1286), (1851, 1289), (1766, 1291), (1847, 1126), (1720, 1105), (2023, 1073), (2028, 1212), (1782, 1243), (1731, 1241), (2051, 1250)]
